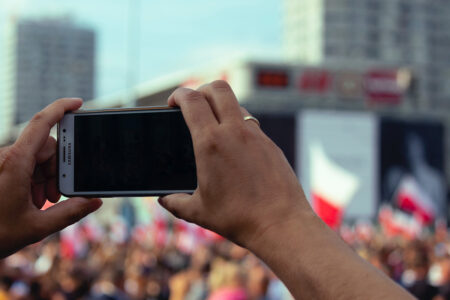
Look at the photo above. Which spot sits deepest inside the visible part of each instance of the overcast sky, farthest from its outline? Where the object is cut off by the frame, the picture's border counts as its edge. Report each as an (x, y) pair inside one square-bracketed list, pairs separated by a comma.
[(174, 35)]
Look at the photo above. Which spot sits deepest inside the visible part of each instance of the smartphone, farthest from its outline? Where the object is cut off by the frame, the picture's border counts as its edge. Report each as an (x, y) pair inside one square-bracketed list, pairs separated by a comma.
[(125, 152)]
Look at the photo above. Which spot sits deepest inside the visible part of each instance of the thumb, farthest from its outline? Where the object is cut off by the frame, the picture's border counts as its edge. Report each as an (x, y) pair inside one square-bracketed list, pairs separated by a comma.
[(67, 212), (182, 206)]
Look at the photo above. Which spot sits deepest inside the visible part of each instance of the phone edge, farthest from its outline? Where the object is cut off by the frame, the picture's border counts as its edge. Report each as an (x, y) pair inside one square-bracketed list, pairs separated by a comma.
[(118, 195)]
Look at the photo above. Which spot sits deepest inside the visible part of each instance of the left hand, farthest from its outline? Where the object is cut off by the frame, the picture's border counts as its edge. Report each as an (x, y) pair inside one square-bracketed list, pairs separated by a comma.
[(28, 179)]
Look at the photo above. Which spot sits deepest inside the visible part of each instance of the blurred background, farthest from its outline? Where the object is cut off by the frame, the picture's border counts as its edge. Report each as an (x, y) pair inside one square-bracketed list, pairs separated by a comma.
[(355, 92)]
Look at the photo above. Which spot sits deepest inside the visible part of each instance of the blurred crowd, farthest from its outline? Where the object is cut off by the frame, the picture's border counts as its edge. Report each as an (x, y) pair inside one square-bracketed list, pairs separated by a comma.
[(420, 263), (171, 259), (136, 271), (165, 258)]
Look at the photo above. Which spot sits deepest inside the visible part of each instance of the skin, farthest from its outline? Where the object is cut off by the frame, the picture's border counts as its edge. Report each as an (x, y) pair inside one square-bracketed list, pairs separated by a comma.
[(248, 193), (28, 178)]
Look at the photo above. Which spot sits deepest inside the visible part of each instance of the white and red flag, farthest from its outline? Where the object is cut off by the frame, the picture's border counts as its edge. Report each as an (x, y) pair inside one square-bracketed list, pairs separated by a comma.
[(411, 198), (395, 222), (332, 186)]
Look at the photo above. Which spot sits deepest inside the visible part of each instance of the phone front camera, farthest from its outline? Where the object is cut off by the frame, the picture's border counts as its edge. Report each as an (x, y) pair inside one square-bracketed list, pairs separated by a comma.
[(64, 130), (64, 175)]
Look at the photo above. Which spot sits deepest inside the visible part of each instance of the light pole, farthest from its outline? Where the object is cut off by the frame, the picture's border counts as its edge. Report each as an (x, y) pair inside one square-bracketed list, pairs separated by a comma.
[(133, 52)]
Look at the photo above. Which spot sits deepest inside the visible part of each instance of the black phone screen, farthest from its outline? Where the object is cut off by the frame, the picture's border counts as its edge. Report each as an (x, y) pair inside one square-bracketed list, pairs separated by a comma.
[(133, 151)]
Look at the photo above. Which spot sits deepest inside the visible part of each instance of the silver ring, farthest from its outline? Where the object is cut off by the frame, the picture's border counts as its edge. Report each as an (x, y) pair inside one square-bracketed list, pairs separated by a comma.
[(251, 118)]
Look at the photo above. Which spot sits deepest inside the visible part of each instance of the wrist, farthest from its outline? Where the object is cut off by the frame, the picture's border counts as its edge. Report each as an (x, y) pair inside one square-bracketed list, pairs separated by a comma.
[(296, 223)]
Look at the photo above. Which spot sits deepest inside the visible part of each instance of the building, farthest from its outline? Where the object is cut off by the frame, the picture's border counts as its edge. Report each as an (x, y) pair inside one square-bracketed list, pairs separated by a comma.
[(47, 59), (343, 119), (286, 89), (403, 33)]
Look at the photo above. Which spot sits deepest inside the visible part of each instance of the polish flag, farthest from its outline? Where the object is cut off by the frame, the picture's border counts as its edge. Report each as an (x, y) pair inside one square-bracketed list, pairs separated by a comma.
[(411, 198), (396, 222), (332, 187), (73, 243)]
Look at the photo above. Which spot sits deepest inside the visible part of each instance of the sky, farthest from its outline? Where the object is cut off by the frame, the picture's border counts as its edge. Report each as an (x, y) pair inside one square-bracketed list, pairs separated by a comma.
[(174, 35)]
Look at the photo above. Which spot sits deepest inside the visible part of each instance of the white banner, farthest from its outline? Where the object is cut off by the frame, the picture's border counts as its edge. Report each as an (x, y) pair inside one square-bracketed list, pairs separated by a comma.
[(337, 162)]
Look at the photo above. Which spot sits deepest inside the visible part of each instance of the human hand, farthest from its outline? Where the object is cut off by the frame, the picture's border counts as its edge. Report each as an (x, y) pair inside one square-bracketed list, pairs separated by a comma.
[(245, 184), (28, 179)]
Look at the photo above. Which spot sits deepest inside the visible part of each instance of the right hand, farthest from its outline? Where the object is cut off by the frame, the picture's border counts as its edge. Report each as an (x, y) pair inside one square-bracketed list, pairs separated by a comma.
[(28, 178), (245, 184)]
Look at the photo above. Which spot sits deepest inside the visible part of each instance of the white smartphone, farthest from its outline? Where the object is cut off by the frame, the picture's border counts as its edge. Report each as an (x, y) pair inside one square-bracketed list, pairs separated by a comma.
[(125, 152)]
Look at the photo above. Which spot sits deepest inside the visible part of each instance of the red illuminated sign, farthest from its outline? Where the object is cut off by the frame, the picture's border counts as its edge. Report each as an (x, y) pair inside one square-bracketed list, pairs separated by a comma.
[(272, 78), (382, 86), (317, 81)]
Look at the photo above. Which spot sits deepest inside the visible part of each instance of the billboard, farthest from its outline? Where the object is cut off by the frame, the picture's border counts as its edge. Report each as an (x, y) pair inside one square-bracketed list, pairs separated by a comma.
[(384, 86), (315, 81), (338, 163), (349, 85), (412, 169), (376, 86)]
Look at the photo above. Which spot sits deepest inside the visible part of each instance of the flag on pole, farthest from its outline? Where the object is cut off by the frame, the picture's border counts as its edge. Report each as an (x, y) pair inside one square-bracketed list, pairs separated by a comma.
[(411, 198), (395, 222)]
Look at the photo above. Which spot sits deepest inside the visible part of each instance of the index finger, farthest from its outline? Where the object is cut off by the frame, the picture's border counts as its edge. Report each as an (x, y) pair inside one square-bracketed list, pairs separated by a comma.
[(36, 133), (195, 109), (222, 100)]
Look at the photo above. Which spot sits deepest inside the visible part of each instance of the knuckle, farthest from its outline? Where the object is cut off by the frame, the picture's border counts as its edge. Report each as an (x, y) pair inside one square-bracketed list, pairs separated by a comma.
[(13, 153), (10, 157), (38, 117), (220, 85), (41, 119), (210, 141), (191, 95)]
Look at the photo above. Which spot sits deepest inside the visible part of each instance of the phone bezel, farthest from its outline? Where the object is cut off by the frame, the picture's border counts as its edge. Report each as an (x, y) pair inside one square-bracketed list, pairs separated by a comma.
[(66, 162)]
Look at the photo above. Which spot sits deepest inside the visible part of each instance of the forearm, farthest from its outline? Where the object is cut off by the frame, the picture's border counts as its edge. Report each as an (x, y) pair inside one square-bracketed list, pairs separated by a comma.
[(240, 173), (315, 263)]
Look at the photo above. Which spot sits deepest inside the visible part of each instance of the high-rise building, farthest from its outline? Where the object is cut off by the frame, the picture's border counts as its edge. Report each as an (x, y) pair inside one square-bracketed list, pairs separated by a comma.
[(405, 33), (47, 59)]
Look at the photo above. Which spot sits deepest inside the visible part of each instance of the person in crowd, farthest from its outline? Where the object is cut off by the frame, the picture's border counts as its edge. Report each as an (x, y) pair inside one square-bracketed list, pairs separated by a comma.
[(226, 281), (247, 192)]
